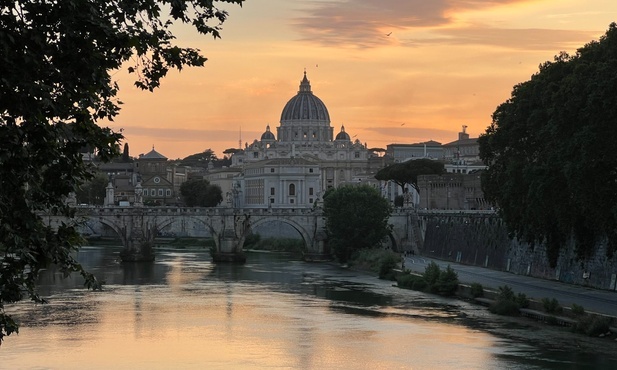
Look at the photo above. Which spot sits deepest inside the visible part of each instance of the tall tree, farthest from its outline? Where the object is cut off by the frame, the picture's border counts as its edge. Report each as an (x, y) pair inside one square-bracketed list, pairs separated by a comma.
[(406, 173), (200, 193), (125, 153), (356, 218), (56, 84), (550, 151)]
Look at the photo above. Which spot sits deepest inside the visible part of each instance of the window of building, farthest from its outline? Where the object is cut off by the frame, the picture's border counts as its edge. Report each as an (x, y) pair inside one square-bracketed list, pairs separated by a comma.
[(310, 170), (357, 154), (292, 189), (271, 200), (255, 154), (311, 191), (168, 192), (146, 192), (311, 200), (160, 192), (271, 191), (271, 169), (291, 201)]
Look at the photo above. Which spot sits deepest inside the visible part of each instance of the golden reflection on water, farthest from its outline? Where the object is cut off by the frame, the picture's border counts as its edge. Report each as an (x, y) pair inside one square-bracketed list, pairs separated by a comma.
[(194, 321), (147, 328)]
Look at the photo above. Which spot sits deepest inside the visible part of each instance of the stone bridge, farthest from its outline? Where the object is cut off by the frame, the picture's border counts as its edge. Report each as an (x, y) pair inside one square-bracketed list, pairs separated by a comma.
[(137, 227)]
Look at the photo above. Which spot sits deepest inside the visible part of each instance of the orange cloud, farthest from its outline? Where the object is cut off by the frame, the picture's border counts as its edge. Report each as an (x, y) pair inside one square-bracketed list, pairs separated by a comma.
[(368, 23)]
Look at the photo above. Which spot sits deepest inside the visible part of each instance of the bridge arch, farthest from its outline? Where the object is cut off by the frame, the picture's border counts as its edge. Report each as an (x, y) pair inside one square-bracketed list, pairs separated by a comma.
[(257, 221)]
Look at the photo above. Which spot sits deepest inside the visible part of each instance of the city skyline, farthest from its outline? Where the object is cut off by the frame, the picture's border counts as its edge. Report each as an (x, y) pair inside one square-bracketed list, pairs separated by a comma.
[(398, 71)]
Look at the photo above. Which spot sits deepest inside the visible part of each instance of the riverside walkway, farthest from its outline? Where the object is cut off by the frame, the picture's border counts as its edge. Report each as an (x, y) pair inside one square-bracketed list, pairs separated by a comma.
[(593, 300)]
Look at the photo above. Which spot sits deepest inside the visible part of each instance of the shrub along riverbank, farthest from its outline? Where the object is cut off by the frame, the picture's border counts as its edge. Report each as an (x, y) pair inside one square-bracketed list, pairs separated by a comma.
[(502, 302)]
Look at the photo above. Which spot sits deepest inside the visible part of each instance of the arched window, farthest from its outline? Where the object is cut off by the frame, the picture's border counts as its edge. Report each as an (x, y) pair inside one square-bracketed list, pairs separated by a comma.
[(292, 189)]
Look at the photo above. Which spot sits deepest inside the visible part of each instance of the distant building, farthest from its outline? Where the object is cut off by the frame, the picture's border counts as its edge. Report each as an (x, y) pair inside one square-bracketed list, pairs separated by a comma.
[(451, 191), (463, 155), (294, 168), (403, 152)]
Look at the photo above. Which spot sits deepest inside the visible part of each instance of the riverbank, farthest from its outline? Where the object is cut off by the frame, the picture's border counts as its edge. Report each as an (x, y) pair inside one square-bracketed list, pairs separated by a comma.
[(549, 330)]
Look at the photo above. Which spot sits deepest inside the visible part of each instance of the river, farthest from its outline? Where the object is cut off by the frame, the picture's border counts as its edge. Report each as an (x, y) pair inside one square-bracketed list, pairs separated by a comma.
[(184, 312)]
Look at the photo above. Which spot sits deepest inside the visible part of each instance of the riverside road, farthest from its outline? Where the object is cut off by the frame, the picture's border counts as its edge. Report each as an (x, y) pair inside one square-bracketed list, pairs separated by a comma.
[(593, 300)]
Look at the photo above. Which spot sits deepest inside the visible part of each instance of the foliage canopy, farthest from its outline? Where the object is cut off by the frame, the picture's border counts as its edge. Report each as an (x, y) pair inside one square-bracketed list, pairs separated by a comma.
[(356, 218), (407, 172), (551, 152), (200, 193), (93, 191), (56, 84)]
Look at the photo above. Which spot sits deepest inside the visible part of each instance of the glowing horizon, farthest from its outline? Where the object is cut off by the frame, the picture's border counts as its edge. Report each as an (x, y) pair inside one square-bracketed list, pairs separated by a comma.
[(395, 71)]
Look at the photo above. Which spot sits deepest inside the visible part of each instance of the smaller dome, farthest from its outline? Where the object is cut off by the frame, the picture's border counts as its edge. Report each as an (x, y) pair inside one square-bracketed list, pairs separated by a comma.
[(343, 135), (268, 135)]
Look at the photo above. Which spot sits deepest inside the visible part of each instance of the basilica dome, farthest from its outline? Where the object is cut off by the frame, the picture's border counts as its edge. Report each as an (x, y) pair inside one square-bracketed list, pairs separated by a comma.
[(342, 136), (305, 108), (268, 135)]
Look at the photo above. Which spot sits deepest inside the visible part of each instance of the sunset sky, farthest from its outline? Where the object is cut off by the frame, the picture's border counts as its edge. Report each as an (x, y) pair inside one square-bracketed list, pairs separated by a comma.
[(446, 63)]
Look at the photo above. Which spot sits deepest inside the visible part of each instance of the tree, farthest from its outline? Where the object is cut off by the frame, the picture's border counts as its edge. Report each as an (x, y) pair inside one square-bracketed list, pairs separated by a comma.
[(200, 193), (57, 62), (199, 159), (407, 172), (126, 158), (550, 152), (93, 191), (356, 218)]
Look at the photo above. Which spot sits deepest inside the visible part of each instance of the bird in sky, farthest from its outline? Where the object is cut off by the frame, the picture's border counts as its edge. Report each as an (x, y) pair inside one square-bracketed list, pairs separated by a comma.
[(388, 34), (403, 124)]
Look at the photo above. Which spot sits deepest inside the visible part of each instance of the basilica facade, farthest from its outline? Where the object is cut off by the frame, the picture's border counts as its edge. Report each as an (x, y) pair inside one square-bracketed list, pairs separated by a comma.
[(293, 168)]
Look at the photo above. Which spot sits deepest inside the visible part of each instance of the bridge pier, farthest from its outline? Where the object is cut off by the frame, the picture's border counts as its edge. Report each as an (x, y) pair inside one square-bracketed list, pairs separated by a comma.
[(138, 239), (231, 239)]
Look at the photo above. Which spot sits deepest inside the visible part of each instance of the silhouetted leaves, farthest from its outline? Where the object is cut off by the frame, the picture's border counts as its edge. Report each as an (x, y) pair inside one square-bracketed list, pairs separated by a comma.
[(552, 155), (56, 85), (407, 172), (356, 218)]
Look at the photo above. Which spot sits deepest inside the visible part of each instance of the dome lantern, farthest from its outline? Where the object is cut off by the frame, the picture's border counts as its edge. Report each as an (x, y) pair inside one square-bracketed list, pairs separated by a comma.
[(305, 108)]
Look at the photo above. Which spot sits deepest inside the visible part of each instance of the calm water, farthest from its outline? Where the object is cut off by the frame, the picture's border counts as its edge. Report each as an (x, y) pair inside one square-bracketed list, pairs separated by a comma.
[(183, 312)]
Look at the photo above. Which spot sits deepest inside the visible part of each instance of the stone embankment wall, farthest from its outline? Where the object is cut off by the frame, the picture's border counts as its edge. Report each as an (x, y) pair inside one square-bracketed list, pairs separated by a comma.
[(482, 240)]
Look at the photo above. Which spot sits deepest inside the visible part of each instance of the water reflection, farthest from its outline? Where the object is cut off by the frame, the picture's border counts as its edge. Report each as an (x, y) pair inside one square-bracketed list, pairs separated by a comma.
[(274, 312)]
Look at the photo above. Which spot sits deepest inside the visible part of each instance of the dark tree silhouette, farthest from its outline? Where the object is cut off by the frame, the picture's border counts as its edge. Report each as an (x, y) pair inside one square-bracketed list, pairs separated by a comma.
[(551, 152)]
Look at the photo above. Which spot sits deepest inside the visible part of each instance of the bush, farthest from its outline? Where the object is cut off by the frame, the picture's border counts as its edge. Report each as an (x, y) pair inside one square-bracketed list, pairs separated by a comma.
[(431, 273), (408, 281), (254, 241), (522, 300), (577, 309), (504, 307), (476, 290), (447, 283), (387, 265), (592, 325), (370, 259), (251, 240), (506, 303), (551, 305), (505, 294), (420, 285)]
